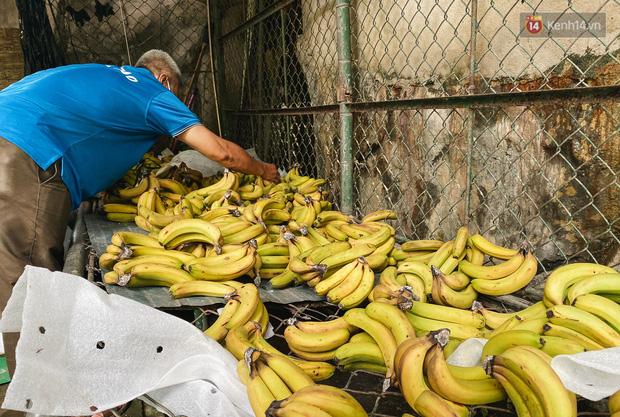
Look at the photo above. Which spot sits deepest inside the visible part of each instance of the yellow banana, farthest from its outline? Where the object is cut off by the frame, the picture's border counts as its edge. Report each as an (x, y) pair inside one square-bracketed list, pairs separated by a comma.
[(259, 395), (120, 217), (200, 288), (275, 384), (459, 331), (379, 215), (343, 258), (421, 245), (152, 275), (107, 260), (449, 314), (442, 254), (218, 330), (601, 307), (474, 255), (120, 208), (324, 326), (554, 346), (125, 266), (457, 280), (284, 279), (129, 193), (497, 344), (148, 250), (600, 283), (490, 248), (460, 241), (249, 300), (492, 272), (315, 342), (392, 318), (368, 352), (513, 282)]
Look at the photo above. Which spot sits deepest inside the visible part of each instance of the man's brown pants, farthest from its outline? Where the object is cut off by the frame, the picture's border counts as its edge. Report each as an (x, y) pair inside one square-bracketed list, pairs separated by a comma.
[(34, 205)]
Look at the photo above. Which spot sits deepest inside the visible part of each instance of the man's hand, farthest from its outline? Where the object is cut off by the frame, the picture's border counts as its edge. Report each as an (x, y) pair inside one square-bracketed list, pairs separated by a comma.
[(227, 153), (270, 173)]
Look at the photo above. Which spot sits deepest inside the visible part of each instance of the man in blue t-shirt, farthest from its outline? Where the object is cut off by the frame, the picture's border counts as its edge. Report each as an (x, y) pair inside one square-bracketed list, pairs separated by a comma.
[(70, 132)]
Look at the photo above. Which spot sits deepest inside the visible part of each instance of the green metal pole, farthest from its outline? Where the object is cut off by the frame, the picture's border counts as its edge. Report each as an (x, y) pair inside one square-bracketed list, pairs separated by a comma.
[(215, 16), (345, 95)]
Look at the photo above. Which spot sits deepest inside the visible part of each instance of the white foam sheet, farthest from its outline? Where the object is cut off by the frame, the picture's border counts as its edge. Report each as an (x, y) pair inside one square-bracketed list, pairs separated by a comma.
[(593, 375), (82, 348)]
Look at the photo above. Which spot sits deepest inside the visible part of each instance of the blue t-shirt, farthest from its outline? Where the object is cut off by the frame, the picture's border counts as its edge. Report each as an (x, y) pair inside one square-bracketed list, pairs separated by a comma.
[(100, 119)]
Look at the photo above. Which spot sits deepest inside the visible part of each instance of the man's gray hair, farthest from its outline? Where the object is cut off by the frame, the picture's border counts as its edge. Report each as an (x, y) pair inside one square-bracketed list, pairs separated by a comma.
[(159, 61)]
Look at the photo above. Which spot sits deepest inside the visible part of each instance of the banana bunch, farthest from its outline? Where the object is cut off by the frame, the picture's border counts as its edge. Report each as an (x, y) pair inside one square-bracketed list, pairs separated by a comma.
[(463, 324), (269, 378), (243, 305), (186, 231), (394, 289), (350, 285), (317, 341), (317, 401), (302, 184), (597, 279), (533, 387), (239, 339), (233, 262), (361, 352)]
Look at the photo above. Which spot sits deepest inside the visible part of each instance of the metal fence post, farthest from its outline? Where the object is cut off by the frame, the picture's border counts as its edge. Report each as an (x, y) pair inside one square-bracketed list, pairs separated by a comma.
[(215, 15), (472, 111), (345, 92)]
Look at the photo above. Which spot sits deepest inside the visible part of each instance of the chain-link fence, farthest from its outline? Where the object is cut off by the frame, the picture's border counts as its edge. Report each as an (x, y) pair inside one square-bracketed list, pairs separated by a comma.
[(501, 115)]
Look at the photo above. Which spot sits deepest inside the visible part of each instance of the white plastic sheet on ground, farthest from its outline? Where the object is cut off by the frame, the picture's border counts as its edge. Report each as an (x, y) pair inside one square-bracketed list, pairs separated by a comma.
[(593, 375), (82, 350)]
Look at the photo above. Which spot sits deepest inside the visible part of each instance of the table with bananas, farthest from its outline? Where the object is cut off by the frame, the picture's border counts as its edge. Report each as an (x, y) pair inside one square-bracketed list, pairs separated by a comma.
[(363, 325)]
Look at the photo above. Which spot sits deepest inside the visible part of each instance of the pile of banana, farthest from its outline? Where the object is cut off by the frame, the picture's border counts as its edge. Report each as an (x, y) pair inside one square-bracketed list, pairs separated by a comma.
[(203, 236)]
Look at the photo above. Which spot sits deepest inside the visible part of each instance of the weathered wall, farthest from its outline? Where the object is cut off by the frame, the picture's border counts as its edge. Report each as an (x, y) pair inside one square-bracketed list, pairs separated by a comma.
[(11, 58), (545, 173)]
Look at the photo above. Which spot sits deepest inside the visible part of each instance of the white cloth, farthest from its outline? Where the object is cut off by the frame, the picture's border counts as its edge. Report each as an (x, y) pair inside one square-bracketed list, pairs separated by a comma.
[(82, 348)]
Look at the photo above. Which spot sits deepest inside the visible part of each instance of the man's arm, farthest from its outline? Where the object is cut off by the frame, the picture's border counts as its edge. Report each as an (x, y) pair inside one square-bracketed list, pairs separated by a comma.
[(227, 153)]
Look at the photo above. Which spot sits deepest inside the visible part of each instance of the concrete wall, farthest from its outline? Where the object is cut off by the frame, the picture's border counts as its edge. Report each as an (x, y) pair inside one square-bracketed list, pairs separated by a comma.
[(544, 173), (11, 57)]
